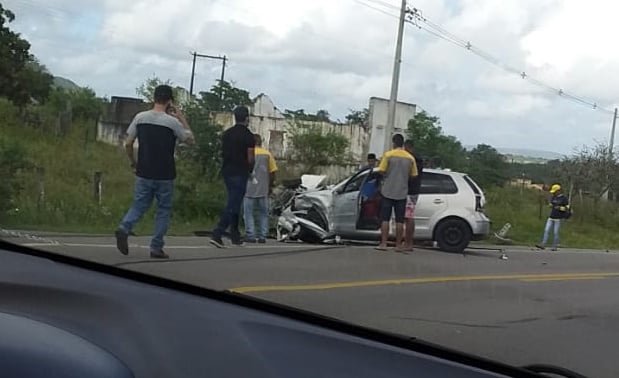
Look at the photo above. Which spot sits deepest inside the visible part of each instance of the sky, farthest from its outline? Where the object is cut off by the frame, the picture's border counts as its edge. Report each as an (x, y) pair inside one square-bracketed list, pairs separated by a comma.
[(335, 55)]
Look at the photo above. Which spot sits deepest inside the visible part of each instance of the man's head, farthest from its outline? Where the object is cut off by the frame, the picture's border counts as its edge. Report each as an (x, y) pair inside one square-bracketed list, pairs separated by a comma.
[(408, 145), (163, 95), (241, 115), (555, 189), (258, 140), (398, 141), (372, 160)]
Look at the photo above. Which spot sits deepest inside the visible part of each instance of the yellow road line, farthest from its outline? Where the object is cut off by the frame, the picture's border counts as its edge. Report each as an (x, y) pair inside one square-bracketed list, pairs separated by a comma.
[(422, 280), (563, 279)]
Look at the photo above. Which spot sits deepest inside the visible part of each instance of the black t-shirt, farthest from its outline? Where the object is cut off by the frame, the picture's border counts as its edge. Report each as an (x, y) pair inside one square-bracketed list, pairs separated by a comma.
[(414, 184), (156, 133), (235, 142)]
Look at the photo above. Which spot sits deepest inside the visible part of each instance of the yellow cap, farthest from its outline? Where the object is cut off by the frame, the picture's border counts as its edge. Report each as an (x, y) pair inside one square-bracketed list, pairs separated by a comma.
[(555, 188)]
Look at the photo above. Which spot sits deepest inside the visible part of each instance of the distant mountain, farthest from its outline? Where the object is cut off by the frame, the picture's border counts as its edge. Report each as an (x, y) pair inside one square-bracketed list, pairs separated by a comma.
[(61, 82), (526, 152)]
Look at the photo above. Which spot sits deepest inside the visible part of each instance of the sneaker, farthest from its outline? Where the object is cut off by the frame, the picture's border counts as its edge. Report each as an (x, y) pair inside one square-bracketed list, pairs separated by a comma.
[(237, 242), (262, 241), (160, 254), (554, 249), (250, 240), (217, 242), (539, 246), (122, 241)]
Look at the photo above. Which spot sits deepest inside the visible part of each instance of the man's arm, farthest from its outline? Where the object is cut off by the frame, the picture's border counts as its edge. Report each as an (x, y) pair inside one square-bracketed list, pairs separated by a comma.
[(129, 149), (414, 172), (132, 133), (186, 135), (272, 170), (251, 151), (383, 165)]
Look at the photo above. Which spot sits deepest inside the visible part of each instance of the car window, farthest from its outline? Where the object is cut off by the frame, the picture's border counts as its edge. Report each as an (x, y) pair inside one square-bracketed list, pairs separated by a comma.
[(436, 183), (354, 184)]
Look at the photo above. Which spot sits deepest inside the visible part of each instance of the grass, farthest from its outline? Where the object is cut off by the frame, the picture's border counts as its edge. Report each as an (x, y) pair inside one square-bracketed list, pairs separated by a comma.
[(70, 162), (593, 224)]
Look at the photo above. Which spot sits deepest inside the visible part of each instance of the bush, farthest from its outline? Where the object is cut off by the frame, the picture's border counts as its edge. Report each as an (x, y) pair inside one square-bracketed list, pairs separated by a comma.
[(13, 159)]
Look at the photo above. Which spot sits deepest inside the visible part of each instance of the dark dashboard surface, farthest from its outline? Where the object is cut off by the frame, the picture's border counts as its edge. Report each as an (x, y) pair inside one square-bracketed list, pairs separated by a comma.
[(68, 320)]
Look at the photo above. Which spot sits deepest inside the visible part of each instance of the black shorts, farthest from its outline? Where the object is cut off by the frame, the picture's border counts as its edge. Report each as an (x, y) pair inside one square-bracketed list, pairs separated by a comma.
[(387, 205)]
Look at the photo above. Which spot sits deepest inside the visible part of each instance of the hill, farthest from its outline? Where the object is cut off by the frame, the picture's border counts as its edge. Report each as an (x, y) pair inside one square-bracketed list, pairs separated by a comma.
[(61, 82)]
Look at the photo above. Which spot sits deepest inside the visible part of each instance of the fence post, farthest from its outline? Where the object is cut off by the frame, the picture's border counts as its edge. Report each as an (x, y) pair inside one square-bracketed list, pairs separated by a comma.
[(41, 182), (98, 186)]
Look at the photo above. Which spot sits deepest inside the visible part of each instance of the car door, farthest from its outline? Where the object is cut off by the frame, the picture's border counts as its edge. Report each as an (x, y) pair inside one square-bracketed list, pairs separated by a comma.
[(432, 202), (345, 205)]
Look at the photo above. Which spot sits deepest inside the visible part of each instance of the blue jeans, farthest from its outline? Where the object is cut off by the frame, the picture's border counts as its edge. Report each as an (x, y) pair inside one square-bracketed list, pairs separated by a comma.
[(145, 191), (552, 223), (262, 205), (235, 186)]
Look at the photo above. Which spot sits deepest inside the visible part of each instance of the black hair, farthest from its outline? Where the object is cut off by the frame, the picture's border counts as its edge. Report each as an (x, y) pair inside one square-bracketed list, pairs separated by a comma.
[(409, 143), (258, 139), (163, 94), (371, 156), (241, 113), (398, 140)]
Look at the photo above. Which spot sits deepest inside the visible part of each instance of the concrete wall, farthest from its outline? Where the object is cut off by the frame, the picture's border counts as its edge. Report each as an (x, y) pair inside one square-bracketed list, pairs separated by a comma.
[(113, 124), (273, 127), (379, 108)]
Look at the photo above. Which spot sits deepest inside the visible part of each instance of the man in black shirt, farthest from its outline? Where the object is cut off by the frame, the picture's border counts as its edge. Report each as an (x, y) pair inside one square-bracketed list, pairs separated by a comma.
[(156, 131), (238, 160), (414, 188)]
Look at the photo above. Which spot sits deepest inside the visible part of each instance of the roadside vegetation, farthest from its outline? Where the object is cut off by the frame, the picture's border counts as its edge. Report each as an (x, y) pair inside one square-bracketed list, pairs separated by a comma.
[(49, 157)]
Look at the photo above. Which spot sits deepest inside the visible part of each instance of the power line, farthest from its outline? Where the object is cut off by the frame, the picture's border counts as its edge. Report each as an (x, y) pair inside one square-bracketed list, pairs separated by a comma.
[(418, 20), (376, 9)]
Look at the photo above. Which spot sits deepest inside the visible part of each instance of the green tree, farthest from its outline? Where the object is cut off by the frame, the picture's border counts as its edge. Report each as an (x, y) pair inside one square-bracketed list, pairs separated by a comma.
[(323, 116), (23, 78), (224, 97), (358, 117), (487, 166), (146, 90), (438, 149), (313, 148), (83, 102)]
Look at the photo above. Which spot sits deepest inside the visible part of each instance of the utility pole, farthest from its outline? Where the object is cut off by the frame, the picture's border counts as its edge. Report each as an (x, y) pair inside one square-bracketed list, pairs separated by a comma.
[(612, 134), (193, 69), (395, 80)]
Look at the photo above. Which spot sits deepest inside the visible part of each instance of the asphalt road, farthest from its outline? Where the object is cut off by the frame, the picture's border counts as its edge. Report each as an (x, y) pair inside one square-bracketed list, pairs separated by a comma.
[(558, 308)]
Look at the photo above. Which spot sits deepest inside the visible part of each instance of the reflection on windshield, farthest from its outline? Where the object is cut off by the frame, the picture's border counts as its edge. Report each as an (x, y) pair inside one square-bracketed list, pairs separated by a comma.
[(437, 194)]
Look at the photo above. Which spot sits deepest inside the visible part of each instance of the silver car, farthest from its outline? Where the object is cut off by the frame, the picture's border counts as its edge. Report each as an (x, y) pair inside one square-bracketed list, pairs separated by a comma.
[(449, 210)]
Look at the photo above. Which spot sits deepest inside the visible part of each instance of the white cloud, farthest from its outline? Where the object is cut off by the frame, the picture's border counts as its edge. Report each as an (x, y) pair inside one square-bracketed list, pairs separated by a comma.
[(336, 54)]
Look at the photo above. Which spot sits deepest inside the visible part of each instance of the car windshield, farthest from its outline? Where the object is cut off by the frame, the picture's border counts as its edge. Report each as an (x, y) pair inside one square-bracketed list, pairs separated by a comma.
[(440, 170)]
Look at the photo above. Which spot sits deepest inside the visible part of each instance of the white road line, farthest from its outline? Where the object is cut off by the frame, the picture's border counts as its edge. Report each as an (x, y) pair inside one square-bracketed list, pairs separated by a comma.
[(167, 246)]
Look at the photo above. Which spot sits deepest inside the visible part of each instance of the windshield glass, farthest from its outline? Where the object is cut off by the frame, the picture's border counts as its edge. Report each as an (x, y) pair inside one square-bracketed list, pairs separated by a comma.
[(472, 196)]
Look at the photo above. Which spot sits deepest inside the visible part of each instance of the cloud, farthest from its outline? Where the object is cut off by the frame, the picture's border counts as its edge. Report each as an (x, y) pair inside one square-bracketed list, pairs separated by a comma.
[(335, 55)]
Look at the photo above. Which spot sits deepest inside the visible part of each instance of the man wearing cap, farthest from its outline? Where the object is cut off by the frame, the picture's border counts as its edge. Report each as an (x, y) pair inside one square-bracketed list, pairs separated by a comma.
[(156, 131), (560, 207)]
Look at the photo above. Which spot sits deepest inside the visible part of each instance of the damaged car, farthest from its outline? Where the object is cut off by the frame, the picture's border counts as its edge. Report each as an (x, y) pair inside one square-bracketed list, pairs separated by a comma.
[(450, 210)]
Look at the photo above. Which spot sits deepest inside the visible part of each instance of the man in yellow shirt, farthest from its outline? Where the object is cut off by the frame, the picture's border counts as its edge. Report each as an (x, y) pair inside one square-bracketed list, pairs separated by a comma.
[(397, 167), (257, 195)]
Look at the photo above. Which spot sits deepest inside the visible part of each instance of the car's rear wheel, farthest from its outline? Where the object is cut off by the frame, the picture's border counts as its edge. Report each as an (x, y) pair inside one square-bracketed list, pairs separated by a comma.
[(453, 235)]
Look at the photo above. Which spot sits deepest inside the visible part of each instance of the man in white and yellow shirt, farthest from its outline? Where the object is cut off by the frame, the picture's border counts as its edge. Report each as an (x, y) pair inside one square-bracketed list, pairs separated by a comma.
[(257, 195), (397, 167)]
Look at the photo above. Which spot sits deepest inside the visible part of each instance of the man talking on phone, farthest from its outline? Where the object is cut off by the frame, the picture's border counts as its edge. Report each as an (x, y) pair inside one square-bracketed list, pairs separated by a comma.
[(156, 131)]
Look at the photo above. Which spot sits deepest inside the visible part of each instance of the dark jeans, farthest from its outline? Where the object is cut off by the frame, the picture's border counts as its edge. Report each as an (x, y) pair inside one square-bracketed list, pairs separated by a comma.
[(145, 191), (235, 187)]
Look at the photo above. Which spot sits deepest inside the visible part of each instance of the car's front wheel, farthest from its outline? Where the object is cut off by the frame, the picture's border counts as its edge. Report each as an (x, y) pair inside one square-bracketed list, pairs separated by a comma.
[(453, 235)]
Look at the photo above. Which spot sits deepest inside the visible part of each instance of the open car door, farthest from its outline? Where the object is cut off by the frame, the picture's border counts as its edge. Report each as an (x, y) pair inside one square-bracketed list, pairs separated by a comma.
[(368, 202)]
